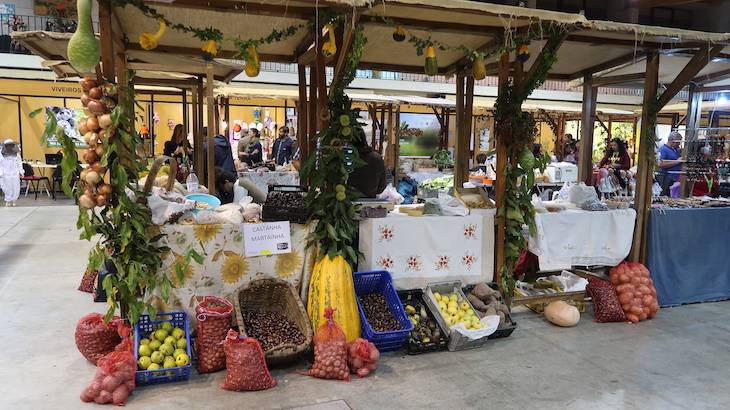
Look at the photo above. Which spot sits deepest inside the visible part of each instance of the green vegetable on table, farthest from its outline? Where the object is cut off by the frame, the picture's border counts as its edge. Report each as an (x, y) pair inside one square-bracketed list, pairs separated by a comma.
[(431, 184)]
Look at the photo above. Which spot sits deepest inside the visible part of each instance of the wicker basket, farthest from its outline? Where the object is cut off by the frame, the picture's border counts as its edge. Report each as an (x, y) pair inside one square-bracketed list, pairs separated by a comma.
[(278, 295)]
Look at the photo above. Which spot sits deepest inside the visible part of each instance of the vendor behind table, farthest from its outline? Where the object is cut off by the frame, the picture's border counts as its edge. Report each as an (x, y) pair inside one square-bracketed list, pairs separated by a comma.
[(369, 179)]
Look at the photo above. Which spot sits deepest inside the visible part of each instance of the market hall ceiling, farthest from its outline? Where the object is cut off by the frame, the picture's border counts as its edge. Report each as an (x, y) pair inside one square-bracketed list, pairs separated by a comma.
[(592, 47)]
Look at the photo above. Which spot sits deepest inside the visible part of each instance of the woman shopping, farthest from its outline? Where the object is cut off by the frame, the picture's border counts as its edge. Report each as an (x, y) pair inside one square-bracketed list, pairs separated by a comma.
[(250, 150), (176, 146), (11, 170)]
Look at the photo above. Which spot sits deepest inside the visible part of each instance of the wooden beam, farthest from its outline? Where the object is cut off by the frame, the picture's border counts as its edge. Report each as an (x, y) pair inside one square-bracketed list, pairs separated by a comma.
[(616, 79), (187, 69), (106, 39), (714, 89), (540, 57), (645, 164), (631, 56), (708, 78), (442, 27), (195, 52), (644, 4), (303, 136), (163, 82), (631, 44), (500, 185), (250, 8), (210, 103), (585, 164), (344, 49), (702, 56)]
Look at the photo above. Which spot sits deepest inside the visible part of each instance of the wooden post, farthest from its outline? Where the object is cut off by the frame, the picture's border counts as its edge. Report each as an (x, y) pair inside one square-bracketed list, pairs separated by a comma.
[(321, 89), (646, 163), (500, 185), (185, 121), (303, 136), (313, 111), (460, 91), (107, 42), (464, 103), (396, 147), (388, 152), (210, 102), (694, 115), (585, 162)]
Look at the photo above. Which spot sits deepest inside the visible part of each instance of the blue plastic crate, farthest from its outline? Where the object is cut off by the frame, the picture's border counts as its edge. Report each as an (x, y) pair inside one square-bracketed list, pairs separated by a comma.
[(143, 329), (381, 282)]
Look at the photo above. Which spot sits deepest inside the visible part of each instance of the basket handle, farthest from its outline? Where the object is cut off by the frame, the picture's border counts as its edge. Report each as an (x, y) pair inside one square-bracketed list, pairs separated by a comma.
[(281, 347), (156, 167)]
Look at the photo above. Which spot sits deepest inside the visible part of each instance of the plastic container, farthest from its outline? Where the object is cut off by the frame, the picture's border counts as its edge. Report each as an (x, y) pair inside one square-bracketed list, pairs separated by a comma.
[(540, 307), (143, 329), (208, 199), (502, 331), (192, 182), (381, 282), (414, 297)]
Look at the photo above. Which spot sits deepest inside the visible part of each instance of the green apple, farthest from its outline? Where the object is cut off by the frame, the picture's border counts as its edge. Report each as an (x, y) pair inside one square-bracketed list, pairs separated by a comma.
[(181, 343), (161, 335), (166, 349), (144, 362), (144, 342), (144, 350), (157, 357), (178, 333), (171, 340), (155, 344), (178, 352), (167, 326), (182, 360)]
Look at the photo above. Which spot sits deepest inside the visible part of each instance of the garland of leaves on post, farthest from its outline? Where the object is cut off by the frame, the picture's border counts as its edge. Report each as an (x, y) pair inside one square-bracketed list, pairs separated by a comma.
[(516, 129)]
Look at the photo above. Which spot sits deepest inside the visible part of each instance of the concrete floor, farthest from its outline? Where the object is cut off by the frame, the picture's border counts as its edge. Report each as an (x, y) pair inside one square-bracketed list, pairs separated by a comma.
[(679, 360)]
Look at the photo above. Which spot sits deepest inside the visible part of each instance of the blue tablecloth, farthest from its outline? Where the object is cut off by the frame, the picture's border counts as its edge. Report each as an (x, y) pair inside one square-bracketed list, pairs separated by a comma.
[(688, 255)]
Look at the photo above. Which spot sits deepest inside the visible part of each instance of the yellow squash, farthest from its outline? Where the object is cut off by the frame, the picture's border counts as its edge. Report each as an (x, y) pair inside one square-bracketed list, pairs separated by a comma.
[(148, 41), (253, 64), (330, 48), (331, 284), (209, 50)]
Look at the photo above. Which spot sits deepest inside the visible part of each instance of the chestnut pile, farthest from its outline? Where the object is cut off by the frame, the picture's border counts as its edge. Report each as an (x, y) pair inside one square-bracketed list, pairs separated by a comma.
[(97, 129), (286, 200), (377, 313), (271, 329)]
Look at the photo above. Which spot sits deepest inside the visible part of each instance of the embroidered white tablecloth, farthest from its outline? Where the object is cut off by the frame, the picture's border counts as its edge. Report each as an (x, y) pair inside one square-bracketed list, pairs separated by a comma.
[(584, 238), (419, 250), (263, 179)]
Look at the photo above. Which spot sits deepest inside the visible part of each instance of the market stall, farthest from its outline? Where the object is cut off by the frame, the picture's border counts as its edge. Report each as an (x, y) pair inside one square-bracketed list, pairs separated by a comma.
[(687, 254), (264, 179), (419, 250)]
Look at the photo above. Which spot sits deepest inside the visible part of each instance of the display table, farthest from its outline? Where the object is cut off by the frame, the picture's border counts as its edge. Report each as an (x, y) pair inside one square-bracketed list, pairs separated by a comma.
[(687, 255), (583, 238), (419, 250), (224, 268), (263, 179)]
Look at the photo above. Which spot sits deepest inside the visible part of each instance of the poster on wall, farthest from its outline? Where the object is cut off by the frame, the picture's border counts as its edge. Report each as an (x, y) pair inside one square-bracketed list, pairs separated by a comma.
[(55, 8), (6, 10), (68, 118), (418, 134)]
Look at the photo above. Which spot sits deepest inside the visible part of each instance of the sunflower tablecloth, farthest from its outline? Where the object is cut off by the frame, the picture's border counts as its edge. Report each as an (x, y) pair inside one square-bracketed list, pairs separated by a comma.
[(224, 267), (419, 250)]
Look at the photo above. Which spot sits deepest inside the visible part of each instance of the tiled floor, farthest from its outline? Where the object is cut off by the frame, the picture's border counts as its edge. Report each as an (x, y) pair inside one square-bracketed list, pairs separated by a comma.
[(678, 360)]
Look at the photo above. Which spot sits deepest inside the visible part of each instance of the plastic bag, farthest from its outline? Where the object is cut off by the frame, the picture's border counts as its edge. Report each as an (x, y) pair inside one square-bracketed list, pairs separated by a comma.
[(432, 207), (564, 193), (635, 290), (362, 357), (246, 364), (580, 193), (214, 322), (114, 378), (87, 281), (538, 205), (390, 194), (95, 339), (452, 206), (330, 350), (567, 281)]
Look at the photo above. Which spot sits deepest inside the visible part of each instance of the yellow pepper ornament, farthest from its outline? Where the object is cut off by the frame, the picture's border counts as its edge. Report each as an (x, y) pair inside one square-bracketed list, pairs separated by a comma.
[(330, 48), (209, 51), (148, 41)]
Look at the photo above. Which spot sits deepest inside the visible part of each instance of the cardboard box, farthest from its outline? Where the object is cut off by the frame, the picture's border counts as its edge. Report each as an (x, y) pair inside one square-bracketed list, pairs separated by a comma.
[(562, 172), (472, 195)]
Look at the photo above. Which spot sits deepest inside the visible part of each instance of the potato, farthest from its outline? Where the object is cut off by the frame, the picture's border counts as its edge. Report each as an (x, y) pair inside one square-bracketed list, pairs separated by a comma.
[(475, 301), (481, 290)]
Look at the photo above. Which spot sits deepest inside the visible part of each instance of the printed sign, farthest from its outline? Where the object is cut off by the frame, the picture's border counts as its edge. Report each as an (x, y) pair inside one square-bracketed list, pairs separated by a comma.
[(267, 238), (67, 118)]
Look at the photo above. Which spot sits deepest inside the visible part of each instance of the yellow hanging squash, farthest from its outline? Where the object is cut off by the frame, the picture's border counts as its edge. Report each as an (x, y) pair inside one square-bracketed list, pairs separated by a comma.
[(148, 41), (209, 50), (431, 65), (331, 285), (478, 71), (330, 48), (253, 64)]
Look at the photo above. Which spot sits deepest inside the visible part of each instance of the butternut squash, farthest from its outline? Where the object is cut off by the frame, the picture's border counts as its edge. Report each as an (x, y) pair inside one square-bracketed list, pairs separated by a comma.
[(331, 285), (562, 314)]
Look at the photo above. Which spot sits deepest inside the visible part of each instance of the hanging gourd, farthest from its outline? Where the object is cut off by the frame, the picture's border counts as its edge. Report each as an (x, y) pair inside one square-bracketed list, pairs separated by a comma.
[(148, 41), (209, 51), (83, 50), (478, 71), (399, 35), (524, 53), (331, 285), (330, 47), (431, 65), (253, 64)]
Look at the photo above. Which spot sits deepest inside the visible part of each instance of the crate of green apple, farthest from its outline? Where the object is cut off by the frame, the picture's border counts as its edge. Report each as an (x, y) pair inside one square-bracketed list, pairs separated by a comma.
[(162, 349)]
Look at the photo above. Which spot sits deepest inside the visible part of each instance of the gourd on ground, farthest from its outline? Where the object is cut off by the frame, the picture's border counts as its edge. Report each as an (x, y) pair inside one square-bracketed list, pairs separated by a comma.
[(562, 314), (331, 285), (83, 50)]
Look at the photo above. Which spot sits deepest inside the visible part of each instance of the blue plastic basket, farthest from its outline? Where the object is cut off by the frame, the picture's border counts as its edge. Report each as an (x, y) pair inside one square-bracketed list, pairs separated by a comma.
[(380, 282), (143, 329)]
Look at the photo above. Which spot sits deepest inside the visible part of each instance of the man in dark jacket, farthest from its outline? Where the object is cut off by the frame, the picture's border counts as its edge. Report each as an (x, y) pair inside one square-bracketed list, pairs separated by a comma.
[(281, 152), (223, 153), (369, 178)]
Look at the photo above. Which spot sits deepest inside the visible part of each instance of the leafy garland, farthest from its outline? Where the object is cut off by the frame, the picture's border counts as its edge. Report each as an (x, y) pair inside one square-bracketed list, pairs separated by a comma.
[(124, 226), (652, 111), (516, 129), (330, 199)]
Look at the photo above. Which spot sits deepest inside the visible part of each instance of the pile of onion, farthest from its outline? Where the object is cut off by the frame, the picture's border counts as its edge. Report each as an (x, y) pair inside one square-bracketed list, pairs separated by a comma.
[(97, 129)]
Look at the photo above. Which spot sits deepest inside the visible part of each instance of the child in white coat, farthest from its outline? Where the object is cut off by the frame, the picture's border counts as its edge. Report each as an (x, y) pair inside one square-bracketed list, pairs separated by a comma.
[(11, 171)]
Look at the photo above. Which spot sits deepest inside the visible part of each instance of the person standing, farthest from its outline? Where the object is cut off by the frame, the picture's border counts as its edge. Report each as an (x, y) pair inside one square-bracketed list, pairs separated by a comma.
[(176, 146), (282, 150), (11, 171), (670, 162), (222, 154)]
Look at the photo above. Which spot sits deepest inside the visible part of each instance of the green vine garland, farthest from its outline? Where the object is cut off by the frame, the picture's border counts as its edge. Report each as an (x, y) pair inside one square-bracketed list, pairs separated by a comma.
[(652, 110), (516, 129)]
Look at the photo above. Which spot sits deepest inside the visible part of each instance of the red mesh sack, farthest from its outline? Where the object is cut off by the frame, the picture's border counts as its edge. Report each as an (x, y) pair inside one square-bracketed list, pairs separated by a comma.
[(362, 357), (330, 350), (635, 290), (94, 339), (114, 378), (605, 302), (214, 322), (246, 364), (88, 280)]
